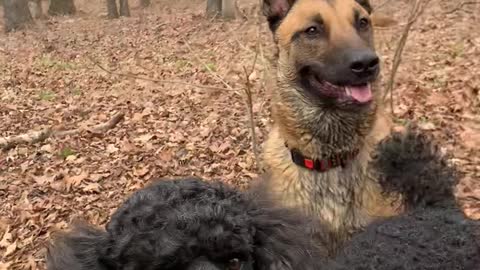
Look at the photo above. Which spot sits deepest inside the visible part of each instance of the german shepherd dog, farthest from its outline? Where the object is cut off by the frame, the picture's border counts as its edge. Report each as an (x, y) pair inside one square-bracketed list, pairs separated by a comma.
[(327, 115)]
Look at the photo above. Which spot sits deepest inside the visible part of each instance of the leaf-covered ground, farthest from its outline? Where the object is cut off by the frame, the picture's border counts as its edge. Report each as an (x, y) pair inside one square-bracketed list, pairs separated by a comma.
[(190, 118)]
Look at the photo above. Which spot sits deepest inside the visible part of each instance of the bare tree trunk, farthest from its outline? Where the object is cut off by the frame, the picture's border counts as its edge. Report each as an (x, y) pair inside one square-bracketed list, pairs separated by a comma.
[(36, 9), (124, 9), (17, 14), (228, 9), (61, 7), (214, 7), (112, 9), (225, 8), (145, 3)]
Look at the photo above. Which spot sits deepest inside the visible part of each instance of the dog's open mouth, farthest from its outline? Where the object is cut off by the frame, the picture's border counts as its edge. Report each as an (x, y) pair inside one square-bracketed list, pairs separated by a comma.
[(359, 93)]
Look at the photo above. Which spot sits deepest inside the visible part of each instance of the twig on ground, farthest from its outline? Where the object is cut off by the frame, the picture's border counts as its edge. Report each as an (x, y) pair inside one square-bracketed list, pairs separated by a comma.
[(39, 136), (219, 78), (461, 5), (133, 76), (417, 10)]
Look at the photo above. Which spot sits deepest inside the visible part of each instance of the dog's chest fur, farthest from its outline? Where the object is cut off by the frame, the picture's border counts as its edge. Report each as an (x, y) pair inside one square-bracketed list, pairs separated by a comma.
[(329, 195), (346, 199)]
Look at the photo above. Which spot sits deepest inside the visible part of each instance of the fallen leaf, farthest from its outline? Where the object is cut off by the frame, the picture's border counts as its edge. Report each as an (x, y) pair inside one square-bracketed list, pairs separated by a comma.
[(71, 158), (95, 187), (4, 223), (472, 213), (111, 148), (43, 179), (471, 138), (5, 266), (140, 172), (437, 99), (143, 138), (98, 176), (6, 239), (127, 146), (75, 180), (47, 148), (165, 156), (10, 249), (427, 126), (31, 264)]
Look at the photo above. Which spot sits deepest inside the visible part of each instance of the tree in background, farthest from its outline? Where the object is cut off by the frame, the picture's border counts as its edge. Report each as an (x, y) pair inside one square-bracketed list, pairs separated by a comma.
[(36, 9), (61, 7), (145, 3), (124, 9), (17, 15), (224, 8), (113, 11)]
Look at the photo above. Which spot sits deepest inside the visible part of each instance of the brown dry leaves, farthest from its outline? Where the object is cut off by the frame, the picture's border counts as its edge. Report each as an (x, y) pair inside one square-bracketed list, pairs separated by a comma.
[(439, 89), (179, 130), (169, 129)]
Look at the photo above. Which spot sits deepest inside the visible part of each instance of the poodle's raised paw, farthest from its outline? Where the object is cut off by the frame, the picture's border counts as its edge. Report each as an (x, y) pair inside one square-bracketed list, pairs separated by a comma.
[(190, 224), (411, 164)]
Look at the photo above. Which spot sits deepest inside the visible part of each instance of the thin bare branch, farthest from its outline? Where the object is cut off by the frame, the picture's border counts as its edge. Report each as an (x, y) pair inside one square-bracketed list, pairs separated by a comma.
[(416, 11), (219, 78), (133, 76), (249, 105), (461, 5), (249, 101)]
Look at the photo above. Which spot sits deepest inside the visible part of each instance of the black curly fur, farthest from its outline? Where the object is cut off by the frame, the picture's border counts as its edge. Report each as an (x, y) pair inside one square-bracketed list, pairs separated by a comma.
[(412, 165), (190, 224), (433, 239), (78, 249), (434, 233)]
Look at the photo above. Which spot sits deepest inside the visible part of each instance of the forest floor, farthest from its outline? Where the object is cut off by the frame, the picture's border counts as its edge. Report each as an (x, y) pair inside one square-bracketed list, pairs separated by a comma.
[(189, 116)]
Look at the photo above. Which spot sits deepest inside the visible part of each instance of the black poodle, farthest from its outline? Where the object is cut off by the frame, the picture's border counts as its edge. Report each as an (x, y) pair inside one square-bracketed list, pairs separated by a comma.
[(433, 233), (190, 224)]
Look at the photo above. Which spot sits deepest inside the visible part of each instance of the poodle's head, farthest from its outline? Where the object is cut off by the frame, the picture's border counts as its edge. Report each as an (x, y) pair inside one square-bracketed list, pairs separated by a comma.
[(190, 224)]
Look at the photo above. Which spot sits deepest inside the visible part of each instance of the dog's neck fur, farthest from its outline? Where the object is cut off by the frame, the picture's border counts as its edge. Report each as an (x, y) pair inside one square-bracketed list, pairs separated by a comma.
[(341, 197)]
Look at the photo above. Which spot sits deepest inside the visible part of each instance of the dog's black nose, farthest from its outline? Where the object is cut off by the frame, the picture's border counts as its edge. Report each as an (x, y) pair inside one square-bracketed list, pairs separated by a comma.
[(363, 62)]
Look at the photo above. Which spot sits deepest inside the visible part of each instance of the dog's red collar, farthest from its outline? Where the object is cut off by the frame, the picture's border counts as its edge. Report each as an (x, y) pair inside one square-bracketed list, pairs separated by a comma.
[(322, 165)]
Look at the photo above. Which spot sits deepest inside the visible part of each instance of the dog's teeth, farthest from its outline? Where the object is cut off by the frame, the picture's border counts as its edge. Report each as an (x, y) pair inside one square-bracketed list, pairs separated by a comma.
[(348, 91)]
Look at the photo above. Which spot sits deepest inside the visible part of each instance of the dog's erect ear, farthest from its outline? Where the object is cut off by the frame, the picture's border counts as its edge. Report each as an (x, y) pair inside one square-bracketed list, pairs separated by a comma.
[(366, 5), (275, 11)]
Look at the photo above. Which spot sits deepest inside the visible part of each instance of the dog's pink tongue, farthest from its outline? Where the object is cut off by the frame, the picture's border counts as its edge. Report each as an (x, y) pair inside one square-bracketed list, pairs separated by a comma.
[(361, 94)]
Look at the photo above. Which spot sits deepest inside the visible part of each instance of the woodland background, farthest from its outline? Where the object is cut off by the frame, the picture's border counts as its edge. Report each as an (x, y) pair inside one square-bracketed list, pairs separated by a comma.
[(168, 91)]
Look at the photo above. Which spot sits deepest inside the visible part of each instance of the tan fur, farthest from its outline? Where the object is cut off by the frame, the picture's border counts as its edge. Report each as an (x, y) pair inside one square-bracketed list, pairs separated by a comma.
[(347, 198), (352, 197)]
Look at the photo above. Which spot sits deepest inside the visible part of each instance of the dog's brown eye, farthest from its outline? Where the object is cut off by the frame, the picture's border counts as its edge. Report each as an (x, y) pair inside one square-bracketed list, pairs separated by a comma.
[(312, 30), (363, 24), (234, 264)]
